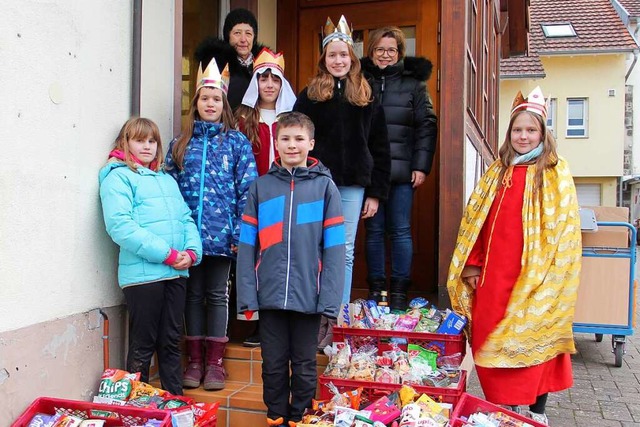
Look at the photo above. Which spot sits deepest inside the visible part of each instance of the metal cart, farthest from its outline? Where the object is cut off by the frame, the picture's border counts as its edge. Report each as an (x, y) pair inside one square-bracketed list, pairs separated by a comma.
[(606, 293)]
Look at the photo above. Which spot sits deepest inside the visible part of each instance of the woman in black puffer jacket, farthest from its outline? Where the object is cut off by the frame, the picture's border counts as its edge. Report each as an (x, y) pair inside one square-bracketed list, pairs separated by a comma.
[(399, 83)]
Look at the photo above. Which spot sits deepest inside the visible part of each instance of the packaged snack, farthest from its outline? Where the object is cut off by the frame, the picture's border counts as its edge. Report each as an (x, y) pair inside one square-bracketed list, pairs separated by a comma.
[(420, 357), (452, 324), (67, 421), (139, 389), (117, 384), (384, 409), (407, 395), (362, 421), (344, 416), (387, 321), (40, 420), (338, 366), (437, 379), (405, 323), (182, 417), (418, 302), (344, 318), (363, 364), (452, 361), (92, 423), (205, 414)]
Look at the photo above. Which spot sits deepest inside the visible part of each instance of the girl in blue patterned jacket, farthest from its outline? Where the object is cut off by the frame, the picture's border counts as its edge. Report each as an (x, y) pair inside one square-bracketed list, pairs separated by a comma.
[(214, 166), (146, 216)]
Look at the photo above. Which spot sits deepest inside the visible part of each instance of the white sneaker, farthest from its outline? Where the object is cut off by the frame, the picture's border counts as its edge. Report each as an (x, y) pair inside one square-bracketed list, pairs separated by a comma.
[(539, 418)]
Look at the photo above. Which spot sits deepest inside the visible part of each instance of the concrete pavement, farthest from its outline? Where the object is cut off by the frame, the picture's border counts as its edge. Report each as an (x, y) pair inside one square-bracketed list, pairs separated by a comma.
[(602, 395)]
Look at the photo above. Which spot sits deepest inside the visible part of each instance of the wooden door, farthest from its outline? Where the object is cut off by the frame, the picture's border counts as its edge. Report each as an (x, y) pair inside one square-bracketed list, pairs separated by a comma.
[(304, 39)]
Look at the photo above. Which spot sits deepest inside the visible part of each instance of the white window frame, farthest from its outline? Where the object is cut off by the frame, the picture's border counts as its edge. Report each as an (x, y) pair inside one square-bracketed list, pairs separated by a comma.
[(558, 30), (572, 129), (552, 116)]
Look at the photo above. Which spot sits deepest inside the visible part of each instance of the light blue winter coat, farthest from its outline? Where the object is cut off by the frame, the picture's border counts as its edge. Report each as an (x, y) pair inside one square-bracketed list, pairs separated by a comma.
[(146, 216)]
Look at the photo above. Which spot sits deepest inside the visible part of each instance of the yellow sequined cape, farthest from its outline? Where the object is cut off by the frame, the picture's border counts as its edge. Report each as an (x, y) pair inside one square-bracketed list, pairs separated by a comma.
[(538, 320)]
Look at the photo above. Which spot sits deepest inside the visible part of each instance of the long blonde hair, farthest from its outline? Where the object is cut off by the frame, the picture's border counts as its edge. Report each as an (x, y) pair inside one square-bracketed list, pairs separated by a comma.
[(357, 90), (138, 128), (180, 146), (547, 159)]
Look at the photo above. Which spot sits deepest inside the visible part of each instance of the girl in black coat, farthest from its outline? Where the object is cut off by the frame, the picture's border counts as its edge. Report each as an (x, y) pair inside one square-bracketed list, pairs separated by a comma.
[(399, 84), (351, 135)]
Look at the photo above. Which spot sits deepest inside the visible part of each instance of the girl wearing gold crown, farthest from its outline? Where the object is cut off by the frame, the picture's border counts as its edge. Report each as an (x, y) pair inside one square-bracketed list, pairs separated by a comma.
[(351, 134), (516, 265), (214, 166)]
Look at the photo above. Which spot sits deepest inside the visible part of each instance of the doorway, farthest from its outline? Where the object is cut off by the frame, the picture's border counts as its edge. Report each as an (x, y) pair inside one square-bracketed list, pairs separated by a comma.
[(299, 37)]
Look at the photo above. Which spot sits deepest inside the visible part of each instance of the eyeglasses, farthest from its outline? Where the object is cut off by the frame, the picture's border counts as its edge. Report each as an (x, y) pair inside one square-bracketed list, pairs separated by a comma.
[(392, 51)]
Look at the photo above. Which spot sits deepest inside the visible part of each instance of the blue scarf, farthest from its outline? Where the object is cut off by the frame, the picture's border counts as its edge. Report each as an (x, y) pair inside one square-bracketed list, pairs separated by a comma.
[(525, 158)]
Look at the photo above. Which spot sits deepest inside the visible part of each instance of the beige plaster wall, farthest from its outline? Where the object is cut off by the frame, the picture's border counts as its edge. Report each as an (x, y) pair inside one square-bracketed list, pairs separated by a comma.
[(60, 358), (591, 76)]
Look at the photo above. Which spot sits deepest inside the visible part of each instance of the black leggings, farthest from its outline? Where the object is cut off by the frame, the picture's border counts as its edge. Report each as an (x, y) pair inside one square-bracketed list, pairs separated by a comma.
[(540, 405)]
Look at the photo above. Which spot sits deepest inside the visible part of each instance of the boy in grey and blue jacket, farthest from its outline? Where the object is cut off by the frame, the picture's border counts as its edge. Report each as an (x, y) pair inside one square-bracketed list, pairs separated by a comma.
[(291, 266)]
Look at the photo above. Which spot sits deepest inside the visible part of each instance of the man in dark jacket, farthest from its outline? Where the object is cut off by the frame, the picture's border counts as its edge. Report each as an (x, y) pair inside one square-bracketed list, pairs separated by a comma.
[(238, 49), (399, 84)]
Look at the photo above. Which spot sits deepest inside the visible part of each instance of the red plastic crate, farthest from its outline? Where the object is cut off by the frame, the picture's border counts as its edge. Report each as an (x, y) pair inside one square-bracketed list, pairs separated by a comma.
[(470, 404), (374, 390), (451, 344), (126, 415)]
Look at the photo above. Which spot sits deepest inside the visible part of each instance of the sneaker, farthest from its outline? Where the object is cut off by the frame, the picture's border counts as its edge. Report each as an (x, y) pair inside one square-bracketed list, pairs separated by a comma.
[(252, 341), (276, 422), (539, 418)]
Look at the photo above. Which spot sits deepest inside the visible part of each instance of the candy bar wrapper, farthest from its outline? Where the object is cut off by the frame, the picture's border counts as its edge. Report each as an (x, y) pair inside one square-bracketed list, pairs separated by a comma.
[(344, 317)]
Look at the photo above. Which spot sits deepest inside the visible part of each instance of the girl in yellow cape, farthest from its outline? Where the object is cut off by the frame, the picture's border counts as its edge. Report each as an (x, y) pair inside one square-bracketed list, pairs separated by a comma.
[(516, 264)]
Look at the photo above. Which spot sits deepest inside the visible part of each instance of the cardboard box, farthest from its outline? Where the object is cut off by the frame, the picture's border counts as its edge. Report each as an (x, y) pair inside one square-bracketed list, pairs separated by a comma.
[(609, 237)]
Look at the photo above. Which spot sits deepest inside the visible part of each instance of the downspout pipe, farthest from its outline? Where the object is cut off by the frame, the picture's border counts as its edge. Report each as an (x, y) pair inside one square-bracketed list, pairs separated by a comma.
[(136, 60), (633, 64), (105, 339)]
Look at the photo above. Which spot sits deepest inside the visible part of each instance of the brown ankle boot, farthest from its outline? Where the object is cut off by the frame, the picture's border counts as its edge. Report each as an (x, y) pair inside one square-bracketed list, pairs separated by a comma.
[(195, 369), (215, 374)]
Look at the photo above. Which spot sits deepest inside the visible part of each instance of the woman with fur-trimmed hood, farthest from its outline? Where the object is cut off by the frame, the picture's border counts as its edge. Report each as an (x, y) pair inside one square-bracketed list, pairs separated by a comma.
[(238, 49), (399, 84)]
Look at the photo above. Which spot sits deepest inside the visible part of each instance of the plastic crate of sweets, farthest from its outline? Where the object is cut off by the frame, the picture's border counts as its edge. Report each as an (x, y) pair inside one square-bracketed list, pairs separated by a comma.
[(443, 344), (113, 415), (372, 391), (470, 404)]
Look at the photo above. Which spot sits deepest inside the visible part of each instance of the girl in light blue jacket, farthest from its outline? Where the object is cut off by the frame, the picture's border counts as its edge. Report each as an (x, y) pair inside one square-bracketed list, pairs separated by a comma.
[(145, 214)]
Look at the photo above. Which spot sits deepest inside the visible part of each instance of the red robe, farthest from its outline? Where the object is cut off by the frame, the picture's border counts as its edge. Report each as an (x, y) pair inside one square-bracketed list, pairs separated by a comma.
[(498, 251)]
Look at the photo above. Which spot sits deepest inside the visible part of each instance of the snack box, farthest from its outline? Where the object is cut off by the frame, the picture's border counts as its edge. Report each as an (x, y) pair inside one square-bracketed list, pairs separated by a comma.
[(453, 324), (470, 404), (444, 344), (117, 415), (371, 391)]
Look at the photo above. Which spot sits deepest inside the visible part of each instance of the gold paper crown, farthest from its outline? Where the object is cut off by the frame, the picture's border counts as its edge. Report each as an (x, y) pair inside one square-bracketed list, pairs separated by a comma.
[(267, 59), (534, 102), (211, 77), (342, 32)]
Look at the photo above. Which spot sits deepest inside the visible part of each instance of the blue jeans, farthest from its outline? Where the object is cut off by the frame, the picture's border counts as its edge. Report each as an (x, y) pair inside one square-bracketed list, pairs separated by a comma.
[(352, 198), (393, 219)]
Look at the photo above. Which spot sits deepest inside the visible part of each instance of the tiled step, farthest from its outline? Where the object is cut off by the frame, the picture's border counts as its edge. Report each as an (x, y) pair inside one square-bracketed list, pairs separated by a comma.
[(241, 402)]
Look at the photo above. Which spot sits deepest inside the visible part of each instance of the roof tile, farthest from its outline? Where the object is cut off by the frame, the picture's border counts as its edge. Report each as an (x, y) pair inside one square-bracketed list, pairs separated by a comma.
[(597, 25), (632, 7)]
